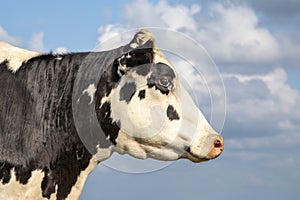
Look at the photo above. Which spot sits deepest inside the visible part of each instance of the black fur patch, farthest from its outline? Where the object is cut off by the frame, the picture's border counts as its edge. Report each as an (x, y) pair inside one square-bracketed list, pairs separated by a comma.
[(172, 113), (135, 58), (108, 80), (139, 57), (36, 121), (142, 94), (143, 70), (164, 70), (109, 127), (127, 92), (5, 175), (4, 63)]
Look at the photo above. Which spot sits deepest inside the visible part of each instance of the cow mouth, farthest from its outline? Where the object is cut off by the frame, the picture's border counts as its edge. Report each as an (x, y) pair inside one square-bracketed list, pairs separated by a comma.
[(193, 157)]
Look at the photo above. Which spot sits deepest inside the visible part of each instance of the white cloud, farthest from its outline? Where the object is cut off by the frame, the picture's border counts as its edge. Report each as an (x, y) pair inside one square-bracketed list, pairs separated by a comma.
[(281, 99), (232, 34), (177, 17), (143, 13), (110, 37), (4, 36), (36, 42), (261, 105), (60, 50)]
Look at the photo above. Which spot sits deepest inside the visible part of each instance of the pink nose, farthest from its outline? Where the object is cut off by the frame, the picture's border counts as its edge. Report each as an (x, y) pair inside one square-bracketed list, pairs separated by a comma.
[(217, 148)]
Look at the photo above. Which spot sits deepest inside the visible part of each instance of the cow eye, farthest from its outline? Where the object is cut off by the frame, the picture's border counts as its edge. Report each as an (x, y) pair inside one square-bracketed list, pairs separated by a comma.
[(166, 83)]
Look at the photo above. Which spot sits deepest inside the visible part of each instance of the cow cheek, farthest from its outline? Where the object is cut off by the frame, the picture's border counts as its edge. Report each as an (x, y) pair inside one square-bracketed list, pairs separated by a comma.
[(139, 115)]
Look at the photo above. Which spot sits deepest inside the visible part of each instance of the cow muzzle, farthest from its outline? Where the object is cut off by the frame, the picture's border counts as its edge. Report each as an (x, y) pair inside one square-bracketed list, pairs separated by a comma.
[(218, 146), (211, 148)]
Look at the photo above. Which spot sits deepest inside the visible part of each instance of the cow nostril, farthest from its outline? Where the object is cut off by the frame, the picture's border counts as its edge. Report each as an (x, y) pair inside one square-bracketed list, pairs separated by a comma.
[(218, 144)]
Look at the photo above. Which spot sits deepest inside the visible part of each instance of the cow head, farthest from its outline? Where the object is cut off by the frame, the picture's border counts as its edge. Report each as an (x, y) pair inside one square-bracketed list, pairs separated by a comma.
[(155, 115)]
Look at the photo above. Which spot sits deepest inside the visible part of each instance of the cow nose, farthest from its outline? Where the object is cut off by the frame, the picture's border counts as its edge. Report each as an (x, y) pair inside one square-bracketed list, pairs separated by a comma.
[(217, 148), (218, 143)]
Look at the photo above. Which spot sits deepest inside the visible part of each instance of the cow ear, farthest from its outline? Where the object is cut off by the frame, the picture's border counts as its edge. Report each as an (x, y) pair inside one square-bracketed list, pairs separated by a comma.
[(140, 50), (143, 39)]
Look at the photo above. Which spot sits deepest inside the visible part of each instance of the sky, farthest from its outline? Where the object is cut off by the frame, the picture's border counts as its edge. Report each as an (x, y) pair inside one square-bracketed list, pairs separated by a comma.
[(255, 46)]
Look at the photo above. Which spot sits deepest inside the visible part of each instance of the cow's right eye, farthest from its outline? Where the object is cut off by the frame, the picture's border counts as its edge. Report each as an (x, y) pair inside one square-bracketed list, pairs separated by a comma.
[(165, 83)]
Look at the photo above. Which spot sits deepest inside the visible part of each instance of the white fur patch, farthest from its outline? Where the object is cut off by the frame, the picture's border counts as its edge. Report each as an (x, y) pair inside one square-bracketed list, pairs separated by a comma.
[(15, 56), (32, 190), (90, 92), (105, 99), (103, 153)]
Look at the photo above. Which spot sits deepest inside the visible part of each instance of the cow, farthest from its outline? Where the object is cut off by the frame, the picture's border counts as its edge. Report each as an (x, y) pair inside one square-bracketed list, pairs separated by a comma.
[(62, 114)]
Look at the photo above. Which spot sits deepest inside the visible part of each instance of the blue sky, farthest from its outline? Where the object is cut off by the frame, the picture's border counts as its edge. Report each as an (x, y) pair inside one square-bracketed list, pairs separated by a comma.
[(256, 47)]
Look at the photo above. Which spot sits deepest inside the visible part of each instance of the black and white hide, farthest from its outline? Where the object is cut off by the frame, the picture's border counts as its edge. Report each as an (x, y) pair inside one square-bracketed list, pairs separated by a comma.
[(60, 115)]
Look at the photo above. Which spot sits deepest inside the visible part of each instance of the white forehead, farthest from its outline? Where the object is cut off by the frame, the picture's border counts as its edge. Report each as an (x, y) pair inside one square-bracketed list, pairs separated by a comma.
[(15, 56)]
